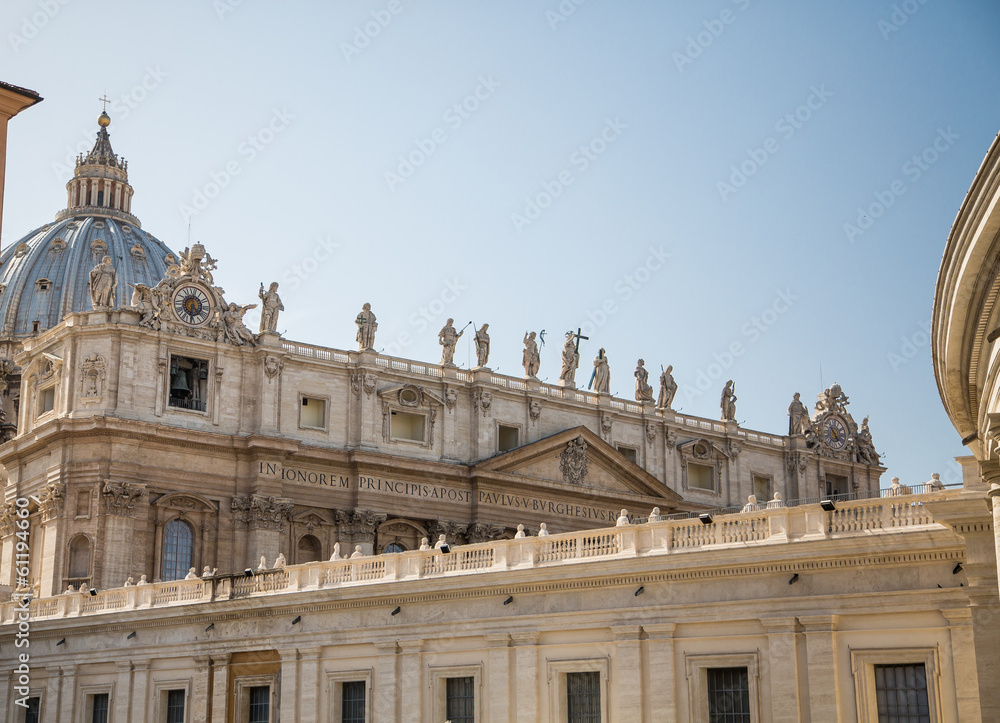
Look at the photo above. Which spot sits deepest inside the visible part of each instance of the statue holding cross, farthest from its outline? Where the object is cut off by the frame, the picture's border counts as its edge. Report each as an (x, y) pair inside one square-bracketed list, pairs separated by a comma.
[(570, 358)]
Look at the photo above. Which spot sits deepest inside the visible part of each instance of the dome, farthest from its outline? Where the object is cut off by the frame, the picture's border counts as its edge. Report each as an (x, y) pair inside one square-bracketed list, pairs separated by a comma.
[(46, 274)]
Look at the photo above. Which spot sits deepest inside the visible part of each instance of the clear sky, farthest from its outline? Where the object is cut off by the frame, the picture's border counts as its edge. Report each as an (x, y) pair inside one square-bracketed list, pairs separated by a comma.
[(746, 190)]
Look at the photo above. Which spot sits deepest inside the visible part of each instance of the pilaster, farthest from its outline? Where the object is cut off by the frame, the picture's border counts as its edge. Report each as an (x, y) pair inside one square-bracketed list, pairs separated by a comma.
[(821, 665), (410, 689), (783, 670), (526, 672), (627, 692), (662, 682), (385, 683), (498, 675)]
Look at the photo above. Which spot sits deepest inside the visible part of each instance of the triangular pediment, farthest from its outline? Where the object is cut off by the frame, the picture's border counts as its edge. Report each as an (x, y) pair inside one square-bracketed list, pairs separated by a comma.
[(580, 458)]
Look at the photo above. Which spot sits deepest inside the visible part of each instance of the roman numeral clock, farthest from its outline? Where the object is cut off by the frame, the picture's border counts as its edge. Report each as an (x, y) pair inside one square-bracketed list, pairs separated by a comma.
[(192, 305)]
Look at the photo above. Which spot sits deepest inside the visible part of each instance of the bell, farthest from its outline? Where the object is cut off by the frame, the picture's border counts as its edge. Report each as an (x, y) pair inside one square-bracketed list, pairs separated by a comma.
[(179, 385)]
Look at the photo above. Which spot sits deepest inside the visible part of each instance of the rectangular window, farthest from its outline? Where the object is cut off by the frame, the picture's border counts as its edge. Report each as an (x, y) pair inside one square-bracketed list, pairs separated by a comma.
[(836, 484), (728, 695), (507, 438), (188, 383), (259, 705), (48, 400), (403, 425), (312, 413), (31, 712), (99, 708), (175, 706), (901, 694), (761, 488), (701, 476), (460, 700), (352, 701), (583, 697), (630, 453)]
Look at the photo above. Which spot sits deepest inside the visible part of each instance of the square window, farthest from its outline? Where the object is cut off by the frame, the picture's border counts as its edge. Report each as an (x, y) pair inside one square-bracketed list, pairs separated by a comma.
[(99, 708), (312, 413), (762, 488), (836, 484), (630, 453), (175, 706), (48, 400), (896, 685), (352, 701), (460, 700), (259, 704), (507, 437), (405, 425), (188, 383), (901, 693), (583, 697), (728, 695), (700, 476)]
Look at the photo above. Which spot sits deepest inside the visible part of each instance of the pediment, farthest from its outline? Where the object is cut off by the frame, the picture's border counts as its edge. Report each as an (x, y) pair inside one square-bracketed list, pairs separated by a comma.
[(580, 458)]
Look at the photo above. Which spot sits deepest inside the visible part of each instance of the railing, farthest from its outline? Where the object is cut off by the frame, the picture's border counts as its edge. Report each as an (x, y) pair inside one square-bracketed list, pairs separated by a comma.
[(779, 525)]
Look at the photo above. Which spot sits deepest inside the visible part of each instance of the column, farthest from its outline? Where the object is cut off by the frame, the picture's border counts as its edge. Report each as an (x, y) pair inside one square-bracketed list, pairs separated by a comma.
[(288, 698), (220, 692), (781, 664), (963, 666), (626, 676), (526, 677), (385, 683), (123, 689), (821, 666), (497, 698), (199, 689), (67, 691), (662, 698), (140, 685), (7, 694), (309, 685), (410, 689)]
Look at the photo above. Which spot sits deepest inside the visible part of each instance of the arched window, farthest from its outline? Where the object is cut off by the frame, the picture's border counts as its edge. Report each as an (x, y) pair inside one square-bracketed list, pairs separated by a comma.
[(79, 557), (178, 550), (309, 550), (393, 547)]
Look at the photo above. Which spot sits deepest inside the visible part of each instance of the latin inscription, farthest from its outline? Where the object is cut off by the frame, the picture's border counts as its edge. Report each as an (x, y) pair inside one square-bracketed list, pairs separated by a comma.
[(400, 489)]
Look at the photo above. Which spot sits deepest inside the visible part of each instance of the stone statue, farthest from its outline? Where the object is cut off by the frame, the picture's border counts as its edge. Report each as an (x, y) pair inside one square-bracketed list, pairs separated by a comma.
[(728, 402), (775, 502), (263, 563), (192, 575), (280, 560), (570, 359), (482, 345), (622, 520), (866, 453), (668, 388), (520, 532), (231, 318), (367, 326), (103, 282), (270, 306), (441, 542), (448, 337), (336, 552), (798, 416), (751, 505), (142, 580), (543, 530), (424, 544), (531, 359), (643, 392), (600, 380), (655, 515), (147, 301), (357, 548)]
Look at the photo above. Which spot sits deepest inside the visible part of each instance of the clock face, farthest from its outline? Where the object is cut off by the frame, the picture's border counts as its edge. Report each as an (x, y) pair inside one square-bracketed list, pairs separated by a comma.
[(191, 305), (834, 433)]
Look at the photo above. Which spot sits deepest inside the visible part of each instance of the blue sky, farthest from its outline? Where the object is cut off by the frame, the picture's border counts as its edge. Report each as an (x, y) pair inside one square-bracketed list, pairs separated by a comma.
[(740, 189)]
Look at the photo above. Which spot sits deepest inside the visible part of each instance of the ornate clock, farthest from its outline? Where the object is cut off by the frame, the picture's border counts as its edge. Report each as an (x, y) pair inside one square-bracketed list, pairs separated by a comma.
[(834, 433), (192, 305)]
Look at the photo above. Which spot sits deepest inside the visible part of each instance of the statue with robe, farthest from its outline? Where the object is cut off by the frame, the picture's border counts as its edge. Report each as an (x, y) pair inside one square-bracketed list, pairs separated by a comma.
[(270, 306), (600, 380), (103, 281), (668, 388), (643, 391), (531, 359), (482, 345), (367, 326), (570, 360)]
